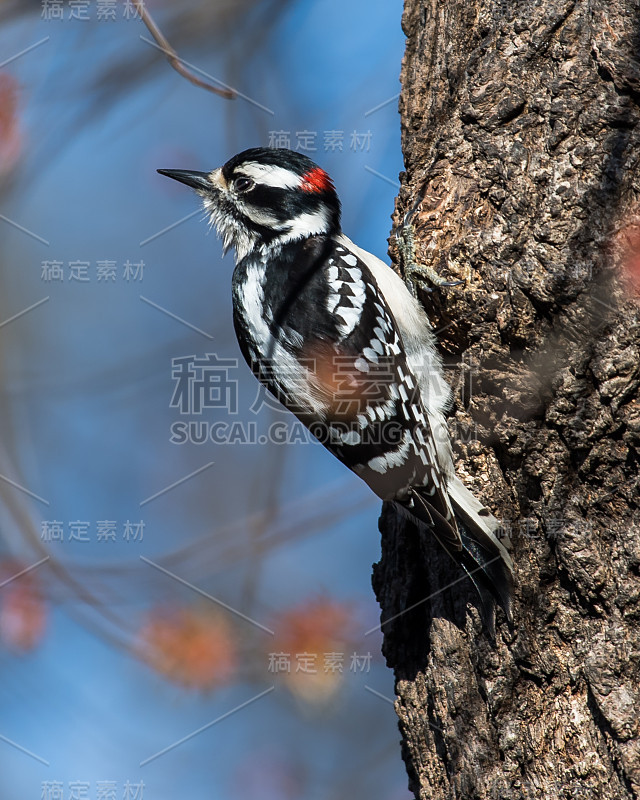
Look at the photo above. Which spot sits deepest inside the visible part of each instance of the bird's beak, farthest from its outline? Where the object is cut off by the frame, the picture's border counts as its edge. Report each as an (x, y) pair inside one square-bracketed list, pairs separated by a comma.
[(200, 181)]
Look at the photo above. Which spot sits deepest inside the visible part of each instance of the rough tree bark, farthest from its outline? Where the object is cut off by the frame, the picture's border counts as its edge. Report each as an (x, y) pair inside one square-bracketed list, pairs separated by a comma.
[(520, 124)]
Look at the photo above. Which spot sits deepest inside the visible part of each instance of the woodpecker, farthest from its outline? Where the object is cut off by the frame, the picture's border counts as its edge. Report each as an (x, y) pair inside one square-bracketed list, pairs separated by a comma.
[(337, 336)]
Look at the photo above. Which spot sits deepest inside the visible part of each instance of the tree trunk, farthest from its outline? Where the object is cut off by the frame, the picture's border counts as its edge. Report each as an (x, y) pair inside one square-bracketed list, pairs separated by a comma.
[(521, 141)]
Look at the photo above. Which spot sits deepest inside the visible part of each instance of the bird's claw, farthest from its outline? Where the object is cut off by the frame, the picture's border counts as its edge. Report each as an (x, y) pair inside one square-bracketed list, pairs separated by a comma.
[(417, 274)]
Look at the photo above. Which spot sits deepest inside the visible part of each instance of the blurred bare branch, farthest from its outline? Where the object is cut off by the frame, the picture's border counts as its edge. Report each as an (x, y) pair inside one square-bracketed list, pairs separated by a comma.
[(173, 58)]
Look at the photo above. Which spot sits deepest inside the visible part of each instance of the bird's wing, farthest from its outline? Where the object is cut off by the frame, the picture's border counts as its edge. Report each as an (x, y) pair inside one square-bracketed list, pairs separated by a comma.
[(373, 416)]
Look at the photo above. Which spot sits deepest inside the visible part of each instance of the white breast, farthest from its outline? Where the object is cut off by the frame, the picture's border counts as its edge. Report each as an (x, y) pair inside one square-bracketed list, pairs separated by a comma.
[(298, 382)]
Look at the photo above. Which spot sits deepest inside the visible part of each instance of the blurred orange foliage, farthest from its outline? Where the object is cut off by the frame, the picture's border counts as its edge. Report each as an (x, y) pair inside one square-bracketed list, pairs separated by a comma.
[(194, 647), (10, 135), (315, 635), (23, 611), (631, 257), (339, 375)]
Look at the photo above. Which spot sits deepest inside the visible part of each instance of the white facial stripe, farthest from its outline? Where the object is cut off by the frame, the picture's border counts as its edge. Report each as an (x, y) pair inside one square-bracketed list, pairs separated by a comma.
[(269, 175), (259, 216), (306, 225)]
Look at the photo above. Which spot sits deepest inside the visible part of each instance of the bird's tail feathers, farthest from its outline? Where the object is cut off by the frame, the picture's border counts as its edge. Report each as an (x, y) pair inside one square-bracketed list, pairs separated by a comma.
[(484, 526), (479, 549), (483, 545), (489, 574)]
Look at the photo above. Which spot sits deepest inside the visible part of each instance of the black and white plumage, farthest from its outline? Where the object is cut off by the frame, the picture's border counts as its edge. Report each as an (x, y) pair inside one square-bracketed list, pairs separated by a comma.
[(338, 338)]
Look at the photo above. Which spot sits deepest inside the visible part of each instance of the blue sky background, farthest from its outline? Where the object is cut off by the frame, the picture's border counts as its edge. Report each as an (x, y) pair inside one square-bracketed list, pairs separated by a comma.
[(87, 385)]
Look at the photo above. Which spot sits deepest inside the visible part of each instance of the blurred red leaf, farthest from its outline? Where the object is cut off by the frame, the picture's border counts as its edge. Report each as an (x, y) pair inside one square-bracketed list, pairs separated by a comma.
[(191, 646), (23, 612), (10, 135), (315, 636), (347, 382), (631, 257)]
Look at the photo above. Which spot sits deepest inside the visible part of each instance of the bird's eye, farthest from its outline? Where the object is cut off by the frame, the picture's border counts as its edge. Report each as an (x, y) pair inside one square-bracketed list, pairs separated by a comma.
[(242, 185)]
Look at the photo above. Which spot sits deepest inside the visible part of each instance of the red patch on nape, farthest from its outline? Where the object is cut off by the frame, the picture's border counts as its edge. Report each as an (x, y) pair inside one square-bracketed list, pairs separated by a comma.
[(316, 180)]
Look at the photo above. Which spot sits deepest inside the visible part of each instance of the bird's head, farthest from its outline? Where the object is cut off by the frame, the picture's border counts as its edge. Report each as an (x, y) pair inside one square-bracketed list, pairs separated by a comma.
[(264, 197)]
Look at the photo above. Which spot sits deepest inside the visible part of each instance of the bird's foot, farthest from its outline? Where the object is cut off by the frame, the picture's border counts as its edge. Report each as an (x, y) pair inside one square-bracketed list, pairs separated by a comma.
[(417, 275)]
